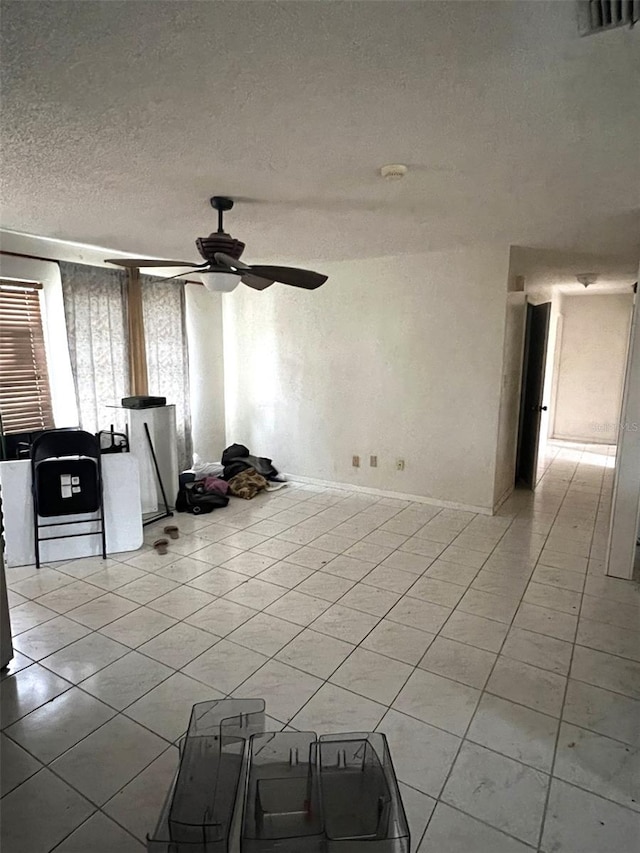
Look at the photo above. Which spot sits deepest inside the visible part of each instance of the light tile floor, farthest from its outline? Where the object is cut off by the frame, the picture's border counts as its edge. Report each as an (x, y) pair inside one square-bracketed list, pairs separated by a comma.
[(502, 664)]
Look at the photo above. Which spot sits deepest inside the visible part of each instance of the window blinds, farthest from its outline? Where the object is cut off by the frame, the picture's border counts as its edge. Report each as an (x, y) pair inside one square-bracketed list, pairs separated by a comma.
[(25, 395)]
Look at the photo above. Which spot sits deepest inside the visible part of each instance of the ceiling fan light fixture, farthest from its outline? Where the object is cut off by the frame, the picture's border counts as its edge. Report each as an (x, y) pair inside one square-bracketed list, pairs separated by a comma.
[(220, 282), (587, 278)]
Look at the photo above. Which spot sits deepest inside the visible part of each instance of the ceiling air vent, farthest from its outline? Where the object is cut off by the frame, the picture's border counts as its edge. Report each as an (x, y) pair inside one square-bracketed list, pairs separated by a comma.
[(595, 16)]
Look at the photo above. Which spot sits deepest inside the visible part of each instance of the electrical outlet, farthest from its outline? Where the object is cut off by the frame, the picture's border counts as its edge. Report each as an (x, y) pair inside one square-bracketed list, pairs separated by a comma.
[(373, 461), (355, 461), (399, 464)]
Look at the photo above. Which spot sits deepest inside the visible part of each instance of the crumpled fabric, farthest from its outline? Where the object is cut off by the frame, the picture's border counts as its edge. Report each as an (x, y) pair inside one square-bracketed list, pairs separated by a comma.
[(235, 451), (247, 484), (235, 467), (206, 469), (215, 484), (237, 458)]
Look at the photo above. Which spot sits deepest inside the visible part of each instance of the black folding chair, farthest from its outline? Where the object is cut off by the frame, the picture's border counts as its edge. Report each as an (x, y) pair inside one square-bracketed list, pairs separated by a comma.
[(66, 479)]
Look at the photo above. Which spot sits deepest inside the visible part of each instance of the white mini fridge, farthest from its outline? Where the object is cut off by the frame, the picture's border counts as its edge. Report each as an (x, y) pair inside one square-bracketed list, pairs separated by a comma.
[(161, 424)]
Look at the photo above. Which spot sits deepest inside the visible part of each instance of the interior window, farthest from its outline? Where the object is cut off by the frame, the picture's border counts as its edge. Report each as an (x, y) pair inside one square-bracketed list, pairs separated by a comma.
[(25, 394)]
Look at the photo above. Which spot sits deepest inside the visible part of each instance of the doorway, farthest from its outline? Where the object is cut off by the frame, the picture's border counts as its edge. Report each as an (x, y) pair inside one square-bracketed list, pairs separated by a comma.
[(532, 404)]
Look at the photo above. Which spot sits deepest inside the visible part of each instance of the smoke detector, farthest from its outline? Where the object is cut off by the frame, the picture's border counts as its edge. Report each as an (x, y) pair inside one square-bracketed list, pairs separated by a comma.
[(587, 278), (393, 172)]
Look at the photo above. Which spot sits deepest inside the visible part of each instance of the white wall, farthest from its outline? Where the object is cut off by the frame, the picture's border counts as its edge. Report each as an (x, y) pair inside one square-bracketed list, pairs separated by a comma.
[(396, 356), (622, 552), (509, 415), (590, 370), (206, 372), (550, 388)]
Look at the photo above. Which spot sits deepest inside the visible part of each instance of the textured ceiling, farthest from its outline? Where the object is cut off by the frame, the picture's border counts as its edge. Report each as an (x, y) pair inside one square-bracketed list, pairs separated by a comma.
[(545, 269), (120, 119)]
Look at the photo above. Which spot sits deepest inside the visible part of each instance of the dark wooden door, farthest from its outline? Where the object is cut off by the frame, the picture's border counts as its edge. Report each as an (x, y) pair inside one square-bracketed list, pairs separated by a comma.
[(531, 403)]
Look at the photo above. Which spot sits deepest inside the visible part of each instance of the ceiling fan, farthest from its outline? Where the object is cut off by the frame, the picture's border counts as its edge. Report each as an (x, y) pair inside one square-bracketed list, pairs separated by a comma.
[(223, 270)]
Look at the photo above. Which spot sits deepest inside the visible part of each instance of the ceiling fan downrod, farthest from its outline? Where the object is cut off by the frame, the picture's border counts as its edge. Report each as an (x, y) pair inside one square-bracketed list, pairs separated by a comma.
[(221, 203)]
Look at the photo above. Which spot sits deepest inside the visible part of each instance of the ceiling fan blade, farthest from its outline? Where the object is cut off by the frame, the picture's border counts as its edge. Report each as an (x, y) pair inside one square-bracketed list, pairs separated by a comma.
[(228, 261), (256, 282), (173, 277), (137, 263), (306, 279)]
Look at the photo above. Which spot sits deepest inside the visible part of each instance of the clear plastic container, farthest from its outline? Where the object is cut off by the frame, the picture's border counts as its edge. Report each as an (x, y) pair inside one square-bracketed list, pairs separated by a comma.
[(336, 794), (197, 815), (241, 789), (361, 803), (282, 799)]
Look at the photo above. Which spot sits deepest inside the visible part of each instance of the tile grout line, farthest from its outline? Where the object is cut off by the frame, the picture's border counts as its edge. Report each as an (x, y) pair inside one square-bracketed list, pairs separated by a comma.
[(564, 695), (96, 807), (187, 583), (357, 646), (117, 711), (463, 737), (414, 667), (98, 630), (484, 690)]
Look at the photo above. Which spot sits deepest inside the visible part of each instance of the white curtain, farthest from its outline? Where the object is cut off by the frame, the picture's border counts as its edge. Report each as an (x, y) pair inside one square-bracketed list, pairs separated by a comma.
[(167, 356), (95, 310)]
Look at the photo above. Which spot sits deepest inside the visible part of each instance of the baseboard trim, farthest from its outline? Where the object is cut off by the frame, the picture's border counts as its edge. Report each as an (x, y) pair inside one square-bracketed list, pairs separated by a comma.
[(573, 440), (383, 493)]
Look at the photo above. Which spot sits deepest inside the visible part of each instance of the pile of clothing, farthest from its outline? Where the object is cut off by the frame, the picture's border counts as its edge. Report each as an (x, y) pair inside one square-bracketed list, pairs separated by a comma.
[(246, 475), (239, 473)]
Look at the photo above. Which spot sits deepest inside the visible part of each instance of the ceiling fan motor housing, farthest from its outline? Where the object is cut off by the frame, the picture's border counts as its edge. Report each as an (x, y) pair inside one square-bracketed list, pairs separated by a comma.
[(208, 246)]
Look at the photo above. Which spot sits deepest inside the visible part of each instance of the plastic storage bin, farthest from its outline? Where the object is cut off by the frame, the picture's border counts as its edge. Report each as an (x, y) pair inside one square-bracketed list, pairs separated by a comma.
[(198, 812), (282, 808), (336, 794), (239, 788), (361, 802)]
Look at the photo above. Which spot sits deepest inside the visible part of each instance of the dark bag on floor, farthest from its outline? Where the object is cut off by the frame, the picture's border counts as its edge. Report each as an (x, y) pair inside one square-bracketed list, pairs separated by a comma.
[(193, 498)]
